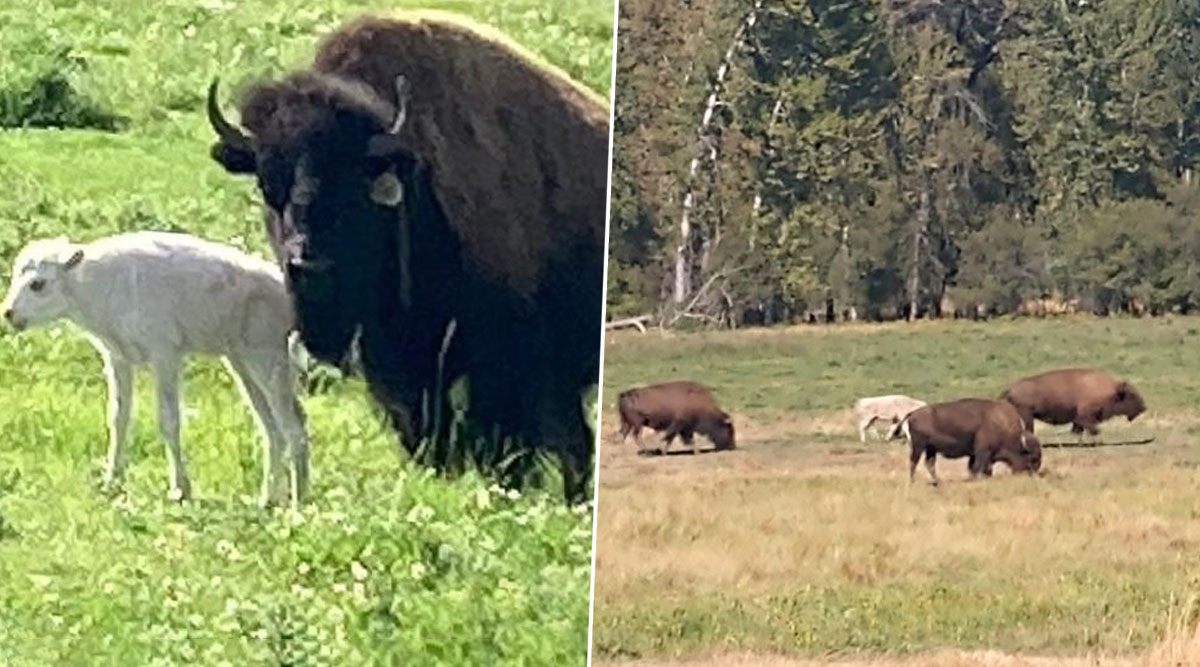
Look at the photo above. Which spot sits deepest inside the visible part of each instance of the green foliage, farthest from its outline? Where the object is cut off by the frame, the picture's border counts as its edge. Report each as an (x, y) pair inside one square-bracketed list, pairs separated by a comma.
[(151, 63), (461, 572), (40, 92), (1155, 263), (390, 564), (944, 141)]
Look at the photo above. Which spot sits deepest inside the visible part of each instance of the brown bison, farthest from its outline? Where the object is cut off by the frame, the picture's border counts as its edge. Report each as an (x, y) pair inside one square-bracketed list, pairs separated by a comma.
[(681, 408), (981, 429), (1081, 397)]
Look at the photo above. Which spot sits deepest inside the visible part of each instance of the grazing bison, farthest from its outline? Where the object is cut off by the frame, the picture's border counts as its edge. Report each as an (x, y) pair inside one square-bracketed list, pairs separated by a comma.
[(981, 429), (1081, 397), (890, 408), (437, 197), (681, 408)]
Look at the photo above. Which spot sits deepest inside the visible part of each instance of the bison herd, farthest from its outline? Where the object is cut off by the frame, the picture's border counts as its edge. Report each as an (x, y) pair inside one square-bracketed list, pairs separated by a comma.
[(435, 197), (982, 430)]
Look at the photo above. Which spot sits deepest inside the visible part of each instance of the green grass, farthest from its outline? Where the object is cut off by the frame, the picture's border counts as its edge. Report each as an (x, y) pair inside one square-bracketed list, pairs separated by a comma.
[(804, 542), (768, 372), (388, 564)]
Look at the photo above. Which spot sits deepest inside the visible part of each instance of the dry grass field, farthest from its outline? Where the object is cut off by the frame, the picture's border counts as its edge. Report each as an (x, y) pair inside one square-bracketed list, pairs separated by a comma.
[(805, 547)]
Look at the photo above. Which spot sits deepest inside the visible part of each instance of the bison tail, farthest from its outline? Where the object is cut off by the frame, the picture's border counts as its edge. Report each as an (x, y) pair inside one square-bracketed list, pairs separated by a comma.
[(898, 428)]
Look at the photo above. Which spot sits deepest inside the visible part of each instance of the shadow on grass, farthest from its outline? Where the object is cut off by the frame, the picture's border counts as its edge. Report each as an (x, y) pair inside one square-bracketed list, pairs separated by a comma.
[(656, 453)]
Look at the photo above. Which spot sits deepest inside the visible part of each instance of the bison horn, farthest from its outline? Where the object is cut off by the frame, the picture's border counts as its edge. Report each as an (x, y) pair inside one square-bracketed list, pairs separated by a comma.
[(230, 135), (386, 143), (402, 88)]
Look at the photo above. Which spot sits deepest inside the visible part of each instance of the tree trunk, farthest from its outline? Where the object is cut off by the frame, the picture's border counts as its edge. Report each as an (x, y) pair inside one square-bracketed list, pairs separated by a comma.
[(683, 278), (776, 112), (920, 224), (682, 275)]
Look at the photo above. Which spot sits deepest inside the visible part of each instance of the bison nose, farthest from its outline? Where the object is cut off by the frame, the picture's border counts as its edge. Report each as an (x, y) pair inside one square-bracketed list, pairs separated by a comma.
[(8, 314)]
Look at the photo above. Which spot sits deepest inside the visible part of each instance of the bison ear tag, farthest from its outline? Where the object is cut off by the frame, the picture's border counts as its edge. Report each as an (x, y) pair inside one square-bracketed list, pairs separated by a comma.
[(387, 190)]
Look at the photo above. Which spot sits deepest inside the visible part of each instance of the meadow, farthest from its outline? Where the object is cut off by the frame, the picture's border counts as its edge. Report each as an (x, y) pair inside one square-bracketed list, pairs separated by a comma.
[(102, 130), (805, 546)]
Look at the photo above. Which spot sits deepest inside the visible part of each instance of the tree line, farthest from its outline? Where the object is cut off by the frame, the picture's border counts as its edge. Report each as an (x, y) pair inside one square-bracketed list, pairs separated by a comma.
[(786, 160)]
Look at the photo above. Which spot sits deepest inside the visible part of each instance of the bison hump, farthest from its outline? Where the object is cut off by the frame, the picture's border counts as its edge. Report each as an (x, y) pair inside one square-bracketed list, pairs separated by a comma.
[(518, 150)]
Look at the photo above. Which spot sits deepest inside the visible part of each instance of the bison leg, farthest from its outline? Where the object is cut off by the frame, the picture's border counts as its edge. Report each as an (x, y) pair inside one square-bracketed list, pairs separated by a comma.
[(980, 464), (1078, 434), (562, 427), (1026, 418), (637, 437), (930, 459), (1081, 426), (577, 457), (673, 430), (863, 425), (626, 427), (689, 439), (400, 368), (913, 459)]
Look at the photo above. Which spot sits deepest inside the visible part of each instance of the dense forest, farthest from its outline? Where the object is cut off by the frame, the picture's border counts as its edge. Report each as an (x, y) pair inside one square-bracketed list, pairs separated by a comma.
[(789, 160)]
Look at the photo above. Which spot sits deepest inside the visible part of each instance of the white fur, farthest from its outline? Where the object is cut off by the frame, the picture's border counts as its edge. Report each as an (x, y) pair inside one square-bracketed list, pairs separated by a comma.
[(891, 408), (153, 297)]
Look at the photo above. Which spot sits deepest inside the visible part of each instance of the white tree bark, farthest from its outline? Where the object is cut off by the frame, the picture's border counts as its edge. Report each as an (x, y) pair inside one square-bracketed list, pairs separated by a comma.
[(921, 224), (776, 113), (707, 149)]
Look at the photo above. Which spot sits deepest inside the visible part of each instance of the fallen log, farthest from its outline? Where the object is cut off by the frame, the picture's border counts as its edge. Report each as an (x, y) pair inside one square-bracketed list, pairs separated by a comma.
[(639, 322), (1074, 443)]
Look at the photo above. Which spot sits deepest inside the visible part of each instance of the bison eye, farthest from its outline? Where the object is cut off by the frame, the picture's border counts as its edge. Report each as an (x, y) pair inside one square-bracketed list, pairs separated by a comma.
[(37, 284)]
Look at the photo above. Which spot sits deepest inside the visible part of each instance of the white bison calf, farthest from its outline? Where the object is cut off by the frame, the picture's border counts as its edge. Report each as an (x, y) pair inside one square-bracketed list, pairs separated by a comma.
[(151, 298), (890, 408)]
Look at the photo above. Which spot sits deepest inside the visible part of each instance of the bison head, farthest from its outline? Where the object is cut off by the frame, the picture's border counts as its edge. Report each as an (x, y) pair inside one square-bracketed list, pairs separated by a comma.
[(326, 154), (1031, 451), (1023, 455), (721, 433), (1127, 401)]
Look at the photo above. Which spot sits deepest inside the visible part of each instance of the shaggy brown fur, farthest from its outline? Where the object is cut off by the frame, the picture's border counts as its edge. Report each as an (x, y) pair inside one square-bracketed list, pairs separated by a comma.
[(981, 429), (681, 408), (1082, 397), (520, 149)]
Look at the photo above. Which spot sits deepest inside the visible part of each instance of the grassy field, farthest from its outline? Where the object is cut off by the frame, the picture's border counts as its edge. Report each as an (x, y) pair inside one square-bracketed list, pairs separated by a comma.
[(805, 546), (389, 564)]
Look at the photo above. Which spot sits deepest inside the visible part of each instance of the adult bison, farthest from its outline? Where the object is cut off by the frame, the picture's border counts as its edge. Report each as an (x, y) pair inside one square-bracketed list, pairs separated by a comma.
[(981, 429), (681, 408), (437, 195), (1081, 397)]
